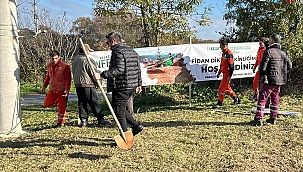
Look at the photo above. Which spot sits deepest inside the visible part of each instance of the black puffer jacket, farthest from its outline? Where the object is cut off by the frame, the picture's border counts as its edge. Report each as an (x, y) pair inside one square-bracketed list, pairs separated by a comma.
[(274, 66), (124, 69)]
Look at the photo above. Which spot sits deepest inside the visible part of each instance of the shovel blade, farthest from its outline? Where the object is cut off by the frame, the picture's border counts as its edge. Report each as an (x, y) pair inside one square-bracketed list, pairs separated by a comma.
[(125, 145)]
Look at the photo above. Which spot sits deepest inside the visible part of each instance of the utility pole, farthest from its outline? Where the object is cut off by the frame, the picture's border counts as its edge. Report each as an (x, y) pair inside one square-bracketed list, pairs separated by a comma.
[(35, 17), (37, 30), (10, 107)]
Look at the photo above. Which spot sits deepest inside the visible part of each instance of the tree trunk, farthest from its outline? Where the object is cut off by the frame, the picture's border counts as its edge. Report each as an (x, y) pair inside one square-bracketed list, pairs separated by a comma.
[(145, 28)]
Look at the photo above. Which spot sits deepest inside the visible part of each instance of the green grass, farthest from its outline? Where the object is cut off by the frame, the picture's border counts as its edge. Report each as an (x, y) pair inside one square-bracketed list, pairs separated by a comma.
[(35, 87), (176, 138)]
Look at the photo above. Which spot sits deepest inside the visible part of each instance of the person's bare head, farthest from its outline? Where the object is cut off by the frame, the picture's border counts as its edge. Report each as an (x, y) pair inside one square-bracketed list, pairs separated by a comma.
[(87, 49), (274, 38), (55, 57), (113, 38), (223, 45), (262, 41)]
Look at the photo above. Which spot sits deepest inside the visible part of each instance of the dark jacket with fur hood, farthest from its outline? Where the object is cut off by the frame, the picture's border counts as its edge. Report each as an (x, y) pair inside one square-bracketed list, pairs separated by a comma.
[(274, 66), (124, 69)]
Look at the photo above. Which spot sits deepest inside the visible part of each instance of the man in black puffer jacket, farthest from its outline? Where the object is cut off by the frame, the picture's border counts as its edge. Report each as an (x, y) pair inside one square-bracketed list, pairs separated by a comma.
[(123, 80), (273, 69)]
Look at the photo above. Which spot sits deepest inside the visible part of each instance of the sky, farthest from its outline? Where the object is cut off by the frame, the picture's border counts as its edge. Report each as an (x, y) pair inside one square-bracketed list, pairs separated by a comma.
[(79, 8)]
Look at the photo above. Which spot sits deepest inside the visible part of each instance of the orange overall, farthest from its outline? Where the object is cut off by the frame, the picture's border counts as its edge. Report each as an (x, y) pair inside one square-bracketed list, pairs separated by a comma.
[(59, 79), (227, 68), (257, 76)]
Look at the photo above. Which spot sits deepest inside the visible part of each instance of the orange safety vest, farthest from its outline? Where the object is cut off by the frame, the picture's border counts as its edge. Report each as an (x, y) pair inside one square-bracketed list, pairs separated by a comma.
[(55, 77), (226, 59)]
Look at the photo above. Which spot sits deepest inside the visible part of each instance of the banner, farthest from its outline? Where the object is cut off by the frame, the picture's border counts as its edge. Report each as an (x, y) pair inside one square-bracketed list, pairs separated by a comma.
[(203, 62), (187, 62)]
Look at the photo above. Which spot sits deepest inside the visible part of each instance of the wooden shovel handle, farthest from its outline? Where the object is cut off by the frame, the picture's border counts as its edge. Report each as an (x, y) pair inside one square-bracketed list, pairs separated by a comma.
[(103, 93)]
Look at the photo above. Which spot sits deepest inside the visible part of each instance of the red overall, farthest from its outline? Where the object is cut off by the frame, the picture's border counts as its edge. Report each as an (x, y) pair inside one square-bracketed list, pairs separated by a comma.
[(59, 79), (226, 60), (257, 76)]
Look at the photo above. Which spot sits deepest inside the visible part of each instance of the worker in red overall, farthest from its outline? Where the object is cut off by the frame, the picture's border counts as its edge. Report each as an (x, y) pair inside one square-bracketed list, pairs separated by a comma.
[(258, 60), (59, 80), (227, 68)]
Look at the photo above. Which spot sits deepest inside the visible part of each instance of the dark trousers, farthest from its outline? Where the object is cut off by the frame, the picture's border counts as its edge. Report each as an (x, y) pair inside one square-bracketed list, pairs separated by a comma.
[(119, 101), (130, 105), (267, 91), (88, 95)]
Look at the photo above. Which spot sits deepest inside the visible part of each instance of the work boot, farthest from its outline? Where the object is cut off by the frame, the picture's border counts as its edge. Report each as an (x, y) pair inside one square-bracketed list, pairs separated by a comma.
[(219, 104), (84, 123), (101, 121), (256, 122), (59, 125), (113, 145), (236, 100), (137, 129), (255, 97), (271, 121)]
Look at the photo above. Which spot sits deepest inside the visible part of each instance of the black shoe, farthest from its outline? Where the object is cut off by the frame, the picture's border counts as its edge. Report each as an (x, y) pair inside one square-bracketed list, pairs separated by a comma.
[(59, 125), (271, 121), (219, 104), (113, 145), (256, 122), (255, 97), (84, 123), (102, 121), (137, 129), (236, 100)]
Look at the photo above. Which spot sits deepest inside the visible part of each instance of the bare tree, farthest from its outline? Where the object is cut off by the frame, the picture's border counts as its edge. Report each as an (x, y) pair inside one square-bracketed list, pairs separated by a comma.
[(54, 34), (93, 31)]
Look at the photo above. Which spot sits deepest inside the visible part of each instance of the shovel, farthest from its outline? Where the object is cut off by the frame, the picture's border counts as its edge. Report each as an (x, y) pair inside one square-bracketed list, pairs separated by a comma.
[(126, 139)]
